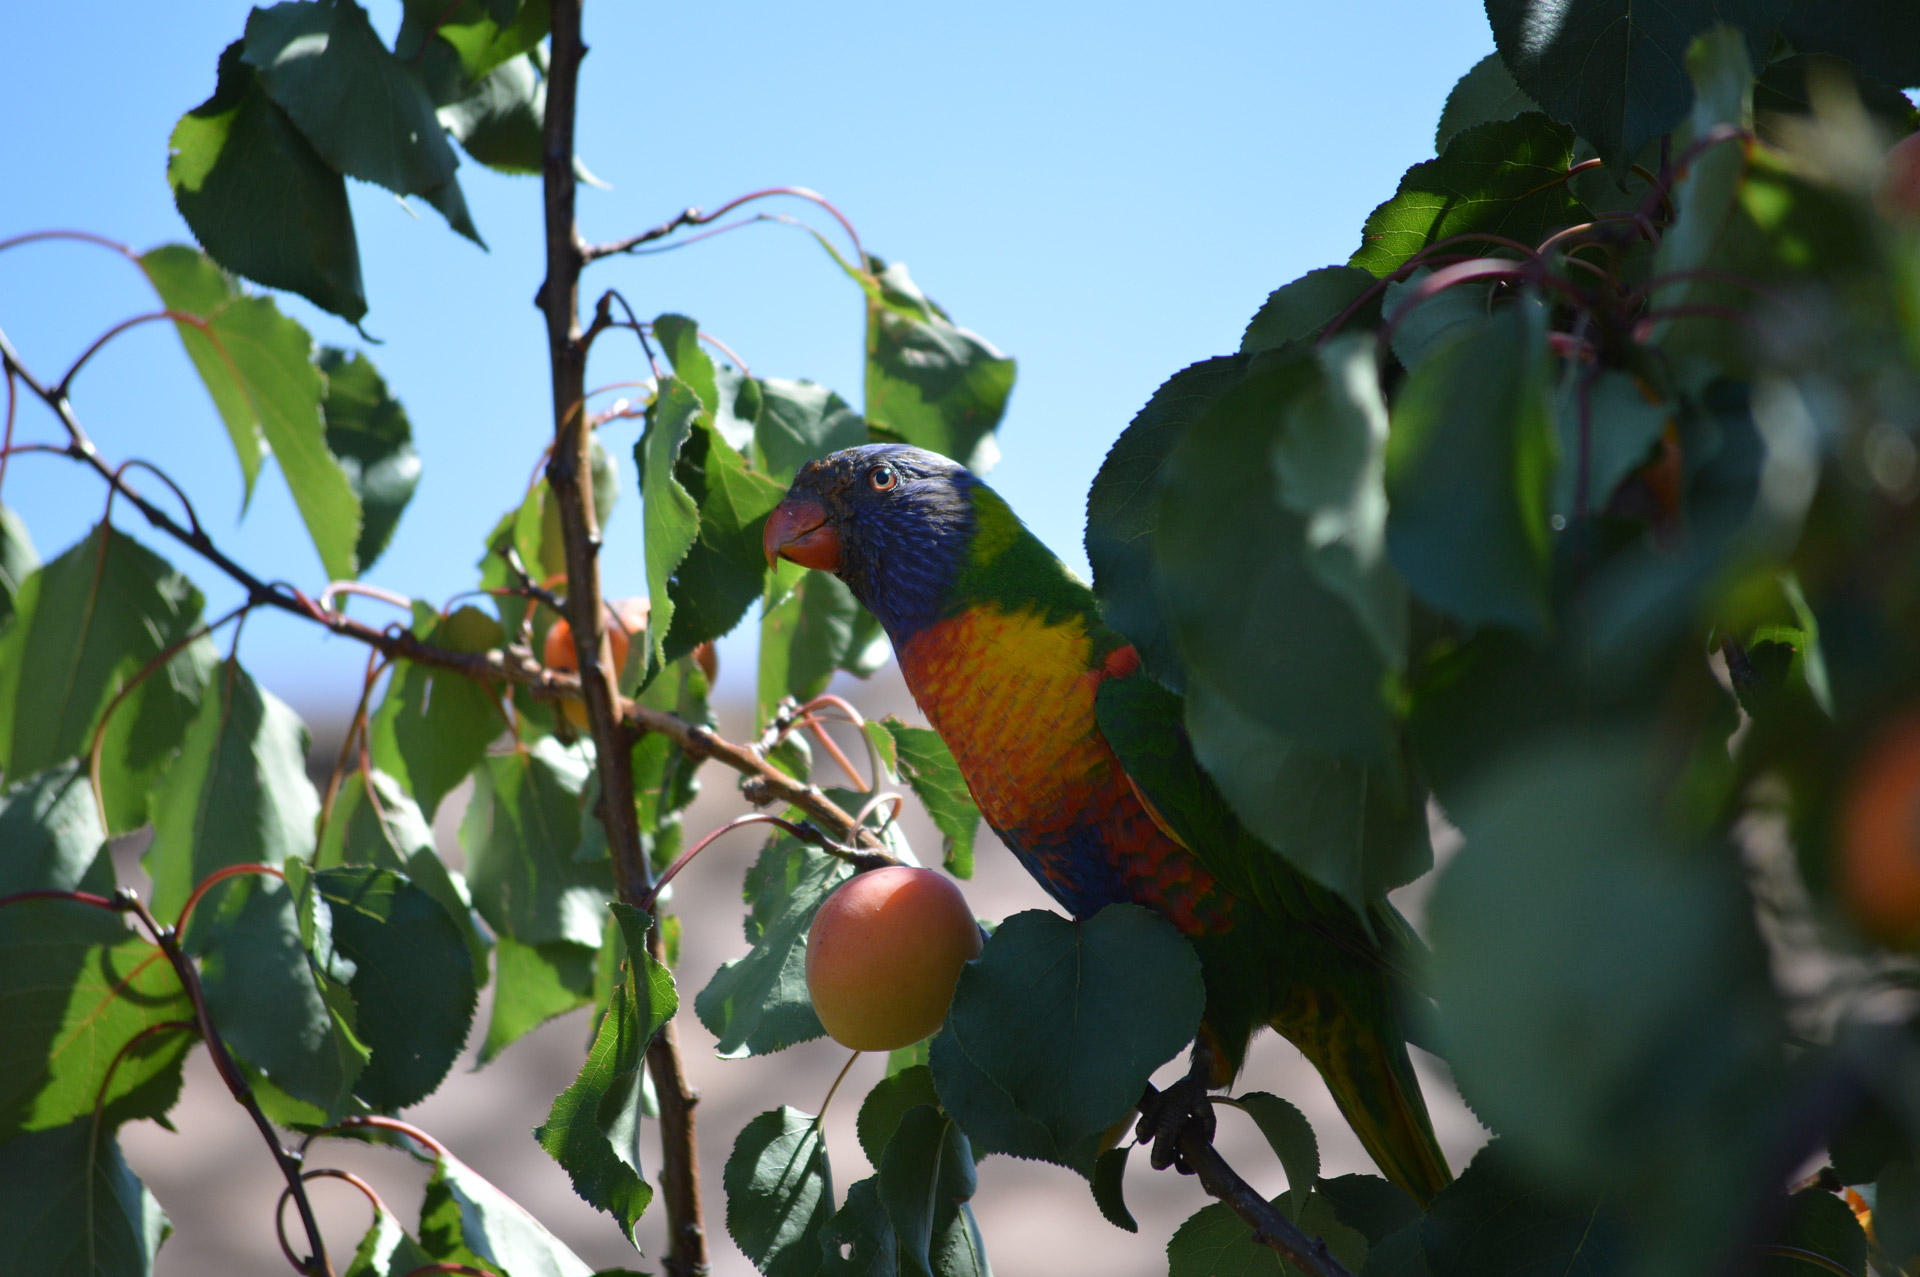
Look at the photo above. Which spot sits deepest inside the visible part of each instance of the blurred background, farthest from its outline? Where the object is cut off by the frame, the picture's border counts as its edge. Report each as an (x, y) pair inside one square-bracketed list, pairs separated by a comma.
[(1107, 194)]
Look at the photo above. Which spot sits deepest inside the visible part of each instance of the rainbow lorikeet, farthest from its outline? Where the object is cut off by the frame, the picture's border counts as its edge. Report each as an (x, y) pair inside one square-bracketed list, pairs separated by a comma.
[(1005, 651)]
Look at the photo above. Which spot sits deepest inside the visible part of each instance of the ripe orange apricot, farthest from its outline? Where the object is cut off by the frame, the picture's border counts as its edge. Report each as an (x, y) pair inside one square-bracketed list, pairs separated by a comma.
[(626, 617), (1880, 837), (883, 955)]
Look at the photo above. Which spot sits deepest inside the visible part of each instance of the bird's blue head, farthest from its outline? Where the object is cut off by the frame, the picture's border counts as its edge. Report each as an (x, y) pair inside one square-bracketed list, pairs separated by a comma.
[(892, 521)]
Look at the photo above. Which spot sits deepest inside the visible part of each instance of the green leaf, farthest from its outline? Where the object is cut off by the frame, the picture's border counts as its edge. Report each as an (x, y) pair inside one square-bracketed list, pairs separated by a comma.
[(817, 629), (779, 1192), (481, 34), (1123, 511), (258, 366), (533, 984), (887, 1103), (594, 1127), (464, 1218), (1215, 1242), (414, 988), (1357, 828), (1484, 94), (1426, 326), (433, 726), (1398, 1254), (52, 835), (1502, 1217), (1821, 1224), (1615, 69), (1607, 999), (670, 513), (862, 1230), (280, 1007), (801, 422), (759, 1004), (387, 831), (924, 762), (237, 795), (260, 199), (1055, 1028), (1370, 1205), (1290, 1136), (1881, 37), (520, 832), (368, 433), (725, 569), (1109, 1179), (926, 1177), (1470, 466), (930, 383), (1506, 178), (1303, 309), (364, 112), (500, 119), (83, 626), (1274, 574), (76, 992), (17, 561), (386, 1249), (1623, 426), (69, 1206), (1707, 194)]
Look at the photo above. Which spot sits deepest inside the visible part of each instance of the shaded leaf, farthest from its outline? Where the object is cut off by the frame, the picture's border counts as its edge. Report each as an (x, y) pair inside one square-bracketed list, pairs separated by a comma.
[(85, 624), (670, 513), (1484, 94), (281, 1009), (1821, 1224), (858, 1241), (759, 1004), (1303, 308), (889, 1101), (1055, 1028), (801, 422), (520, 832), (725, 568), (433, 726), (593, 1129), (1288, 1134), (257, 364), (1274, 574), (360, 107), (1427, 325), (1470, 465), (260, 199), (1498, 1217), (928, 382), (1623, 425), (1881, 37), (1615, 69), (387, 831), (1109, 1177), (368, 433), (779, 1192), (923, 760), (70, 1207), (926, 1177), (1507, 178), (414, 987), (1123, 511), (1370, 1205), (500, 119)]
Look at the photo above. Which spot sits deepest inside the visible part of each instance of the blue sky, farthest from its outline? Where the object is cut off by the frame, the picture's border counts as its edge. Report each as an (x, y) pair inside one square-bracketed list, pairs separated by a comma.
[(1106, 193)]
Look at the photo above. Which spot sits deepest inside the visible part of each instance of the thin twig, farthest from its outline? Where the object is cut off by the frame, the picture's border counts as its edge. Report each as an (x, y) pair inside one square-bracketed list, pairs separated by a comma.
[(695, 217), (646, 902)]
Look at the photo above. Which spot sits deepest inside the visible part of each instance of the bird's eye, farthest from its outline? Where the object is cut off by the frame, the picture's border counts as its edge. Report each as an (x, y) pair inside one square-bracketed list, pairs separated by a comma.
[(883, 478)]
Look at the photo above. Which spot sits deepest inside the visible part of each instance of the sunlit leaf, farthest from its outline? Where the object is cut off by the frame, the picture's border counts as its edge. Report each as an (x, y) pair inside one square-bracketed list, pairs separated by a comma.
[(465, 1218), (930, 383), (520, 833), (433, 726), (368, 433), (1484, 94)]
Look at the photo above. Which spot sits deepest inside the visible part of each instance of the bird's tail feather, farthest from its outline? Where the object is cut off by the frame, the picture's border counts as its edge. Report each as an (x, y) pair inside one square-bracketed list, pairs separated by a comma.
[(1372, 1080)]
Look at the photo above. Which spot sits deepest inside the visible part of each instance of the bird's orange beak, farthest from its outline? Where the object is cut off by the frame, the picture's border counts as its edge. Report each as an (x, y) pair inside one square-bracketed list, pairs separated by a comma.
[(798, 531)]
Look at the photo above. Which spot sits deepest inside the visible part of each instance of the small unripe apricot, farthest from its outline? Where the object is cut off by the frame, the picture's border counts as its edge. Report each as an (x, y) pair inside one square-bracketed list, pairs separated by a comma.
[(1880, 837), (883, 955)]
